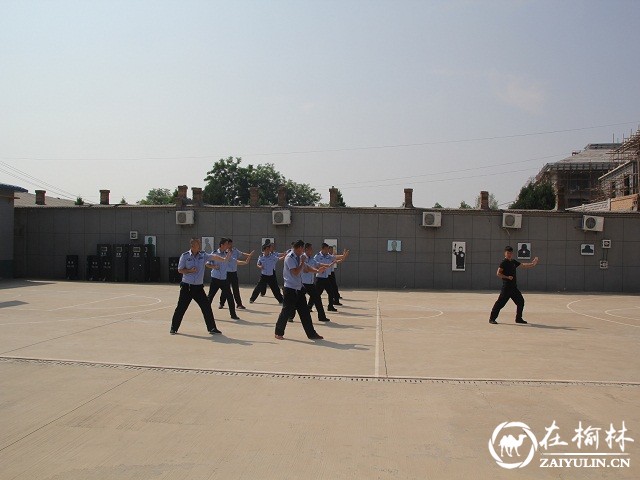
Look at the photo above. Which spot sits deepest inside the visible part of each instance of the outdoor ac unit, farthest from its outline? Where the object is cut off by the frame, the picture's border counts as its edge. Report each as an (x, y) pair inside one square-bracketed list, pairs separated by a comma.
[(184, 217), (592, 224), (431, 219), (281, 217), (512, 220)]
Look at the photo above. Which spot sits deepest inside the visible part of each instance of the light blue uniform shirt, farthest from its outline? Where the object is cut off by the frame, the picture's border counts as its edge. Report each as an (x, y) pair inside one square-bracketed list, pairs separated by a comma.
[(223, 267), (326, 259), (291, 280), (268, 263), (188, 260), (308, 277), (233, 261)]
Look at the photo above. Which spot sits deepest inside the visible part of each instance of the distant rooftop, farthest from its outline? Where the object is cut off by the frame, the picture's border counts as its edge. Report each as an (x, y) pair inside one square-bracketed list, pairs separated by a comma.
[(26, 199)]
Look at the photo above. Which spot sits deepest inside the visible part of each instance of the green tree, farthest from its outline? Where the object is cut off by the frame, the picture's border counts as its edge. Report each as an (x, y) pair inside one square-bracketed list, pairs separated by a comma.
[(228, 184), (79, 201), (437, 205), (159, 196), (464, 205), (123, 201), (536, 197), (493, 203)]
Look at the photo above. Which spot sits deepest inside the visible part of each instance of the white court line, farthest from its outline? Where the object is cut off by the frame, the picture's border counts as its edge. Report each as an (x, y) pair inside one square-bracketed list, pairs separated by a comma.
[(89, 303), (597, 318), (608, 312), (378, 326), (85, 318)]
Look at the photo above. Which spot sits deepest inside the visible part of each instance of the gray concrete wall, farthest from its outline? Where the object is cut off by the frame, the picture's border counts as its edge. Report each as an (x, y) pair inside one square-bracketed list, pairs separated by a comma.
[(45, 235), (6, 234)]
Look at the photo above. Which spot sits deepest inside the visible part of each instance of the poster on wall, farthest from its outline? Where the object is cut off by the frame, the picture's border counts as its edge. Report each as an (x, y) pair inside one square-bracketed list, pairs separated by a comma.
[(524, 251), (458, 256), (208, 245), (150, 242), (394, 245), (267, 241), (587, 249)]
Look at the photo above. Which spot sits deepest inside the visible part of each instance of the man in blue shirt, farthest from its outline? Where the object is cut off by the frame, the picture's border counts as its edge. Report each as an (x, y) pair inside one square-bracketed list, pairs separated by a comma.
[(191, 266), (232, 274), (322, 278), (267, 264), (313, 266), (219, 280), (294, 299)]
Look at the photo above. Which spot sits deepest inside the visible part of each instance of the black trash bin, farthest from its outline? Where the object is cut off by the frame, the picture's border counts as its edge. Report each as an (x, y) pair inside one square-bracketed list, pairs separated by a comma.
[(72, 267)]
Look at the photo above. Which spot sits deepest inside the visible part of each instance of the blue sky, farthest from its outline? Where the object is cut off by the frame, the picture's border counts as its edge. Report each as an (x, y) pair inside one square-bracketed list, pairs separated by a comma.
[(447, 97)]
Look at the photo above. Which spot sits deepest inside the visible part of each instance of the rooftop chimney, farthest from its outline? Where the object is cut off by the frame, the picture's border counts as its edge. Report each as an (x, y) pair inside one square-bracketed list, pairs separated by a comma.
[(408, 198), (484, 200), (560, 200), (254, 196), (104, 197), (197, 196), (333, 197), (182, 196), (40, 197), (282, 196)]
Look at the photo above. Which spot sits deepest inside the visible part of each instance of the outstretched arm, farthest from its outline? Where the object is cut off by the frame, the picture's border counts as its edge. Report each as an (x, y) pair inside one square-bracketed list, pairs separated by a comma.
[(531, 264)]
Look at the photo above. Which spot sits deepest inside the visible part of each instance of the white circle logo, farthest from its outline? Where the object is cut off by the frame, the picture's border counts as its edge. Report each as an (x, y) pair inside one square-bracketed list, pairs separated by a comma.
[(509, 445)]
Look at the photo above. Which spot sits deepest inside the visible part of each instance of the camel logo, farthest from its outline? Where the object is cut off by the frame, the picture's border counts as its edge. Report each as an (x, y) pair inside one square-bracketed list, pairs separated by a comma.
[(511, 443)]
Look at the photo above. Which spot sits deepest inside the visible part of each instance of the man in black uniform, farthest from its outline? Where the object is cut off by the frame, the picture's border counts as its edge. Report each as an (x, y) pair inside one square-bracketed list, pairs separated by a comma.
[(507, 272)]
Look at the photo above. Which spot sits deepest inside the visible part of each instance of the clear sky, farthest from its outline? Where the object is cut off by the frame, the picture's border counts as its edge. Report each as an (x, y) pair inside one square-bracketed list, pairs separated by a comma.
[(446, 97)]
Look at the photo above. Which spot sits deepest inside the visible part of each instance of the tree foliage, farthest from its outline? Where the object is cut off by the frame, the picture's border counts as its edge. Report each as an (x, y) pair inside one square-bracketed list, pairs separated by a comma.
[(159, 196), (536, 197), (228, 183), (464, 205), (437, 205)]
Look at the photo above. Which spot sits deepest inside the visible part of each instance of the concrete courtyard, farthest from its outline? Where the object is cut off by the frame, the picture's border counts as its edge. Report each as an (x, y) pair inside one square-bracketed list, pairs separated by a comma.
[(406, 384)]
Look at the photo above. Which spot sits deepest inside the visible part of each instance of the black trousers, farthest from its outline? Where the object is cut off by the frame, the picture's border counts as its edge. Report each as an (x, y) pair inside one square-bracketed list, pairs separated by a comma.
[(334, 286), (235, 287), (273, 284), (188, 293), (223, 285), (507, 293), (323, 284), (263, 290), (294, 301), (314, 298)]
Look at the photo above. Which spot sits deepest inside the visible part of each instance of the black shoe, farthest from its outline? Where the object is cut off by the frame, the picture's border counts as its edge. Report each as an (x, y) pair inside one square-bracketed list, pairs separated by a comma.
[(332, 309), (220, 307), (241, 307), (316, 337), (493, 322), (173, 332), (262, 294), (337, 303), (291, 320), (324, 319), (520, 320), (235, 317), (251, 301), (215, 331)]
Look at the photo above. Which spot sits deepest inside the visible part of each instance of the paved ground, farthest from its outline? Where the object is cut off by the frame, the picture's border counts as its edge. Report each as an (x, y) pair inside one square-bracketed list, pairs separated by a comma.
[(410, 384)]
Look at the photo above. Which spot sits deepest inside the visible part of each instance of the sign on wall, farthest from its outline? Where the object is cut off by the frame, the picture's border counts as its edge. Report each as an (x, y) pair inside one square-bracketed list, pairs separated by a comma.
[(458, 256)]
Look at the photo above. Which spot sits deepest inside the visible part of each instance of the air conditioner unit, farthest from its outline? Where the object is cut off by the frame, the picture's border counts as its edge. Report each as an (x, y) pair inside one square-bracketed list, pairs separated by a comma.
[(512, 220), (281, 217), (184, 217), (133, 235), (592, 224), (431, 219)]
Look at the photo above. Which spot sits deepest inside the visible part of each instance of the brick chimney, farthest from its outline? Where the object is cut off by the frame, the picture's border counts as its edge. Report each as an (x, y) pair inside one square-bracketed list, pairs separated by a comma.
[(197, 196), (104, 197), (40, 197), (560, 199), (408, 198), (282, 196), (254, 196), (182, 196), (333, 197), (484, 200)]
